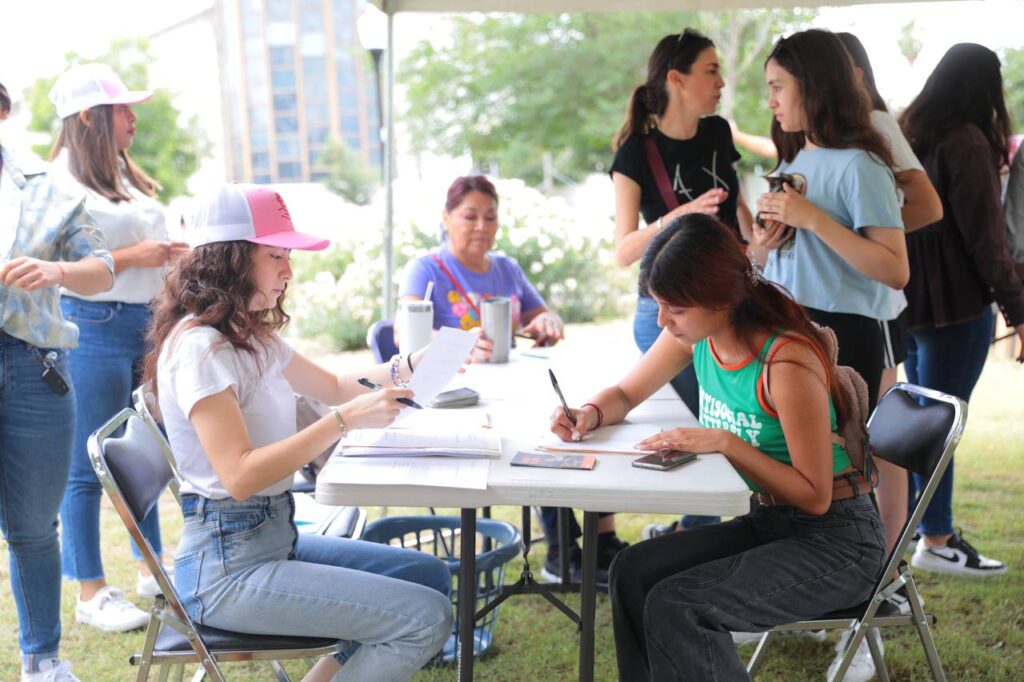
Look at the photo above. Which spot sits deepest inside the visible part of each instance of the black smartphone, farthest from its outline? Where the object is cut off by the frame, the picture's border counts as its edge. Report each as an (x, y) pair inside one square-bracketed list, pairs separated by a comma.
[(663, 460)]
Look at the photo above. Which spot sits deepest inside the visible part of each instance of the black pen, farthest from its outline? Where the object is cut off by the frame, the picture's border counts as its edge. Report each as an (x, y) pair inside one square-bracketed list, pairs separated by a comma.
[(376, 387), (565, 406)]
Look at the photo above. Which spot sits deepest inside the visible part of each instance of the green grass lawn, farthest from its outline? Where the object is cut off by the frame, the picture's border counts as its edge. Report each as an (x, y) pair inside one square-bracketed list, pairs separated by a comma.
[(980, 630)]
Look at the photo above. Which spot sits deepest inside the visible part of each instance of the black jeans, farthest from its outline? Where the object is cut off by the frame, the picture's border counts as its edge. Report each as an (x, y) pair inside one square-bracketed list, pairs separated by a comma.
[(860, 346), (676, 598)]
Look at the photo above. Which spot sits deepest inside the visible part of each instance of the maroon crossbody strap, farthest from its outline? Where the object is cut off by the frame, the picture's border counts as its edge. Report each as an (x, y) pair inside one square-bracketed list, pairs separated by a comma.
[(660, 174), (455, 283)]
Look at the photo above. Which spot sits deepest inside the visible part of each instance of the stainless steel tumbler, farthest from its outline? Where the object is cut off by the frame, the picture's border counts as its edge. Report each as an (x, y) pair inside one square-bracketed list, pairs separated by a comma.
[(496, 320)]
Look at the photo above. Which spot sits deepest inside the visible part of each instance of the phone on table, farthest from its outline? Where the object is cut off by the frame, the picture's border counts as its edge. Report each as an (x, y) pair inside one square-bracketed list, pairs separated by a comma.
[(663, 460)]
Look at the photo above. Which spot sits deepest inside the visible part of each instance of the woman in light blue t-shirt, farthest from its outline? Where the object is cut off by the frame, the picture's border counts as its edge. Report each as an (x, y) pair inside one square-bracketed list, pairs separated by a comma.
[(836, 241)]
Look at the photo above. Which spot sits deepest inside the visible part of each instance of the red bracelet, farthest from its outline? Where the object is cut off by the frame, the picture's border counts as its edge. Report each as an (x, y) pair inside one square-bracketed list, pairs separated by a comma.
[(61, 282), (600, 414)]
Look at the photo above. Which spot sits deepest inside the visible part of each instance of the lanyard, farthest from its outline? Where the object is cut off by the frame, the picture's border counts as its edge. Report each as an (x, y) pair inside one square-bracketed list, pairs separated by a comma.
[(455, 283)]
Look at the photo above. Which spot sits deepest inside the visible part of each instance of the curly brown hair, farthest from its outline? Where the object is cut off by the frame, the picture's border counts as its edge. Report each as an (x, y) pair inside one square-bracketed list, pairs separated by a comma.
[(213, 284)]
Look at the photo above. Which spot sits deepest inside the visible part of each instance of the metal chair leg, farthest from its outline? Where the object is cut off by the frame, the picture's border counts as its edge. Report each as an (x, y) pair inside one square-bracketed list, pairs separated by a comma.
[(757, 660), (874, 645), (279, 672)]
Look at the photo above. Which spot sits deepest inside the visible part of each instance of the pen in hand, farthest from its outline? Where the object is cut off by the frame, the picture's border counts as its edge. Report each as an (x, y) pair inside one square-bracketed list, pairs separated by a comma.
[(565, 406), (376, 387)]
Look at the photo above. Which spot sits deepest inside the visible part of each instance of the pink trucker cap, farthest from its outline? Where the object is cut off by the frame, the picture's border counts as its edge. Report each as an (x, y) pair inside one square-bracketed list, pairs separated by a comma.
[(89, 85), (237, 212)]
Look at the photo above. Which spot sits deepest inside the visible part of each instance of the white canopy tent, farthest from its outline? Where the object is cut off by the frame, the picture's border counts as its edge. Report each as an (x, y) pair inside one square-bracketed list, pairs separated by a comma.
[(391, 7)]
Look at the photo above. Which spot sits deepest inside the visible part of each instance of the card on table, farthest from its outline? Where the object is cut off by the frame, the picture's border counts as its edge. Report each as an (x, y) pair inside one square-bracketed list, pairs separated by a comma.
[(537, 459)]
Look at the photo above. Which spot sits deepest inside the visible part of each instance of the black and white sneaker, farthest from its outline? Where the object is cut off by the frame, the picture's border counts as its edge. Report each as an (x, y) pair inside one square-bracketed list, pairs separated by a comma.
[(912, 546), (901, 600), (957, 557)]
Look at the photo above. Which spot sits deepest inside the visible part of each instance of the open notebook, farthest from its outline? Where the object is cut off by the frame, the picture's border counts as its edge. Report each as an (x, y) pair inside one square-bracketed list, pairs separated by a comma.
[(412, 442)]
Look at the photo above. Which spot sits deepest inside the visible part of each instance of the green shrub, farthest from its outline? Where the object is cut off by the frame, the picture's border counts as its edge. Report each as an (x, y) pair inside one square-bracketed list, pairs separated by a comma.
[(336, 294)]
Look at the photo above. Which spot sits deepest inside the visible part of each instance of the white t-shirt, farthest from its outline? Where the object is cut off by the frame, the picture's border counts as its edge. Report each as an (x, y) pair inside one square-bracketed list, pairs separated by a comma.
[(197, 363), (123, 224), (903, 159)]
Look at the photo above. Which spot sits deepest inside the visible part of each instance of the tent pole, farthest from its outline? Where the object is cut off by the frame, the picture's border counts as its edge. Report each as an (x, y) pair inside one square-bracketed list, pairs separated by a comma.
[(389, 166)]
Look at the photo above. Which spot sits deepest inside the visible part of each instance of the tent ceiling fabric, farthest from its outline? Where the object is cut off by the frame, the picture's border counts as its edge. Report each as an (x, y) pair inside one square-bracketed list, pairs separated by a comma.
[(394, 6)]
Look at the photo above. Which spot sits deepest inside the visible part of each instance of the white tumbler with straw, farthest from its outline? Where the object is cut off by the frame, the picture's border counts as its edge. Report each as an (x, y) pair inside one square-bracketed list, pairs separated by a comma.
[(416, 322)]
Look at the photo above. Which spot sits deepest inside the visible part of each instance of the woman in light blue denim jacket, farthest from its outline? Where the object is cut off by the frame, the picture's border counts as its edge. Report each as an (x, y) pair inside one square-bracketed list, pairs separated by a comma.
[(46, 241)]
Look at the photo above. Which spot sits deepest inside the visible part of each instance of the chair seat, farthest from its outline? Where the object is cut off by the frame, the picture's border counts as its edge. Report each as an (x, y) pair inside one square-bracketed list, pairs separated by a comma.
[(171, 641), (885, 610)]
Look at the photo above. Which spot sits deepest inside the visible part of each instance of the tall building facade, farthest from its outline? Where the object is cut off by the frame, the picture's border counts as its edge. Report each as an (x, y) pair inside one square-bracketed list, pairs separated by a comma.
[(293, 77)]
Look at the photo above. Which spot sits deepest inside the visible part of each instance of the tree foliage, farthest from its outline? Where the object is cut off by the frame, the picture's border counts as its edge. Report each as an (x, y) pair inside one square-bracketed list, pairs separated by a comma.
[(512, 89), (1013, 80), (349, 176), (166, 150)]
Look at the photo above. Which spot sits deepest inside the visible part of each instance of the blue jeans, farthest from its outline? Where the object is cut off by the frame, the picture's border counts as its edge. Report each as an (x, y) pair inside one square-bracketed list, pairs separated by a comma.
[(105, 368), (675, 598), (645, 333), (241, 566), (948, 359), (35, 449)]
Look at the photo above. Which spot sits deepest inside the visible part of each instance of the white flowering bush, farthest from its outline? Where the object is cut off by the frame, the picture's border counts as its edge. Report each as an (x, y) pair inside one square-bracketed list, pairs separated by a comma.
[(336, 294)]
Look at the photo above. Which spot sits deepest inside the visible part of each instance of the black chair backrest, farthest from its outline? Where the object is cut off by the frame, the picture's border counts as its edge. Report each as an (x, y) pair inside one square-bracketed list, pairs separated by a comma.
[(137, 465), (908, 434)]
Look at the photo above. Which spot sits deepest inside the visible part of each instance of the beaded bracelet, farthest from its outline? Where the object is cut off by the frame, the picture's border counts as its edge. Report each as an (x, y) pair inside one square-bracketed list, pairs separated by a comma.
[(600, 414), (396, 378)]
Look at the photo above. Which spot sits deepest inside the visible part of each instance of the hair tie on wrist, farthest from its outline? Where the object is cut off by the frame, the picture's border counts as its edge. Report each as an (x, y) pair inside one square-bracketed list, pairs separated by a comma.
[(600, 414), (61, 282), (408, 359)]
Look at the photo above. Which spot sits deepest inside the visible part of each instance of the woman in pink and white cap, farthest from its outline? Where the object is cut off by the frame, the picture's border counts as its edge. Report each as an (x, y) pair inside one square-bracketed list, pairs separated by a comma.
[(225, 383), (91, 157)]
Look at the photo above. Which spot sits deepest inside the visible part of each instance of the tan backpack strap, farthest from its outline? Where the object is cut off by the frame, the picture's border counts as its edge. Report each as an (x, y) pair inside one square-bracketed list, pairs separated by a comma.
[(766, 396)]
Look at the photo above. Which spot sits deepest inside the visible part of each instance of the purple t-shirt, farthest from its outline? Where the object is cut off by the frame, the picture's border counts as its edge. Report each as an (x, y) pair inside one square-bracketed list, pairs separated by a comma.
[(504, 278)]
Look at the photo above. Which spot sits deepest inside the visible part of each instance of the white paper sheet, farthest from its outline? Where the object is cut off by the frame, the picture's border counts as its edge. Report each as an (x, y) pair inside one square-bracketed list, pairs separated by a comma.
[(444, 472), (615, 438), (440, 363), (465, 418), (459, 442)]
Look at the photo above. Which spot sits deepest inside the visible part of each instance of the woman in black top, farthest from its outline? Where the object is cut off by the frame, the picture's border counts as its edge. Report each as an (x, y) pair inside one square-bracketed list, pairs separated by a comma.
[(959, 127), (674, 109)]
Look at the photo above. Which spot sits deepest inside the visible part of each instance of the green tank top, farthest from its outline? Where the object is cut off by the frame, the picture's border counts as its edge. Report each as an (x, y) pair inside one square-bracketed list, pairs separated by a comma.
[(731, 399)]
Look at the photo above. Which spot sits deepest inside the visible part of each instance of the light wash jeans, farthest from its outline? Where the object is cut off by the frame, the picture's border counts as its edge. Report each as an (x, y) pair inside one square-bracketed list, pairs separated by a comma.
[(35, 449), (241, 566), (105, 367), (645, 333)]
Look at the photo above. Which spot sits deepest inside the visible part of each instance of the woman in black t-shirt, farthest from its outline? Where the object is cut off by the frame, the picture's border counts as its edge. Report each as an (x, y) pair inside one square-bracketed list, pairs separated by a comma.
[(674, 111)]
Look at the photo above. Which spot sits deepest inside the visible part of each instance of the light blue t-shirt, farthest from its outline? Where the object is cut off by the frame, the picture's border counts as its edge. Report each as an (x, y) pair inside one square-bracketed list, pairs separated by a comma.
[(857, 191)]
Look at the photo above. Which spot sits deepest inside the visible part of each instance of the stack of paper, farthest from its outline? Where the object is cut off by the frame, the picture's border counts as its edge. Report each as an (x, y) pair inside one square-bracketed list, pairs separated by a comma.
[(416, 442), (618, 439)]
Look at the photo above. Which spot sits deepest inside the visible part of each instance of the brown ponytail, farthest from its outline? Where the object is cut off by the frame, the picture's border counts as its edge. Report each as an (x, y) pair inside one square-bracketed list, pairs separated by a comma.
[(677, 51)]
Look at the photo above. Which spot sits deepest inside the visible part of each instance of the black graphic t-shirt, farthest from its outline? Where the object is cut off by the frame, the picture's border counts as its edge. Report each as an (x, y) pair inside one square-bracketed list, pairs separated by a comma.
[(694, 166)]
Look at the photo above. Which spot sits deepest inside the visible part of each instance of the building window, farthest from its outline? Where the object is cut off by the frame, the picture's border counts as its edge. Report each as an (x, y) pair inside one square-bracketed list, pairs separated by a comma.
[(281, 56), (288, 149), (317, 136), (279, 10), (262, 179), (258, 138), (284, 102), (317, 114), (283, 80), (289, 171), (286, 124), (260, 161)]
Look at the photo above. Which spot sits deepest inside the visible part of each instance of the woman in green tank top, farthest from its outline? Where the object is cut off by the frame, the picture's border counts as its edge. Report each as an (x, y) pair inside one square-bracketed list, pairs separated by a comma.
[(813, 543)]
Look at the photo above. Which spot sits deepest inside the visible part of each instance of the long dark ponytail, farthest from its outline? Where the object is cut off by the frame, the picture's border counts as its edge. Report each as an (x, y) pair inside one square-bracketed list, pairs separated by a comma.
[(676, 51), (696, 261)]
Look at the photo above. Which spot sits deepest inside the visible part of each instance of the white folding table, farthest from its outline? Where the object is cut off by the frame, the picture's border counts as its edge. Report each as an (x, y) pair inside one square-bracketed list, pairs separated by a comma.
[(520, 400)]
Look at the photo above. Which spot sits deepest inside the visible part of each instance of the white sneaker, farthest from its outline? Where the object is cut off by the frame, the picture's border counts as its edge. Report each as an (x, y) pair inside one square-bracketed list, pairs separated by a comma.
[(109, 611), (862, 667), (901, 600), (51, 670), (147, 587), (653, 530), (957, 557)]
